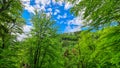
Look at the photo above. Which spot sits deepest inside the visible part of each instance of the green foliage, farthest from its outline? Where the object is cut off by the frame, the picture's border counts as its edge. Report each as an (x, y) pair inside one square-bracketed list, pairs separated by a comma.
[(98, 12), (69, 39), (10, 24), (107, 50), (85, 47), (43, 49), (99, 49)]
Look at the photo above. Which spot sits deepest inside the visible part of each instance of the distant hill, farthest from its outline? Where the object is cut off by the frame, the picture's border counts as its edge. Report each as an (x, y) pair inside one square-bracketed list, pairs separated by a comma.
[(70, 39)]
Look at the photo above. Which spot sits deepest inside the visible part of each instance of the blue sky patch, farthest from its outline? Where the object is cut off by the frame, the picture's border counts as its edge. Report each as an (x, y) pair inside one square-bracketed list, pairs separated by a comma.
[(58, 12)]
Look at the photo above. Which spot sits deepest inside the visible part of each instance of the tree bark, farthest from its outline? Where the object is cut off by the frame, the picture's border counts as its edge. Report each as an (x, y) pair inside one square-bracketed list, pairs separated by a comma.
[(42, 59), (3, 42)]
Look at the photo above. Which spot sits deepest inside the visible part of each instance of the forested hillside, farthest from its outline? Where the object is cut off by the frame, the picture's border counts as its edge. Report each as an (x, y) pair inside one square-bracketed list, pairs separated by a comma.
[(96, 47)]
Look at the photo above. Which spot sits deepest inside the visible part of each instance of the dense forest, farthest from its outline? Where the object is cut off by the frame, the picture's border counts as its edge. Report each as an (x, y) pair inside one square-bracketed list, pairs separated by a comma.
[(96, 47)]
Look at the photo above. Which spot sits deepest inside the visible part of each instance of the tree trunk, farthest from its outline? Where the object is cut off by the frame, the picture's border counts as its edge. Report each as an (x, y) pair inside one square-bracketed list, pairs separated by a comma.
[(3, 42), (35, 58), (43, 59)]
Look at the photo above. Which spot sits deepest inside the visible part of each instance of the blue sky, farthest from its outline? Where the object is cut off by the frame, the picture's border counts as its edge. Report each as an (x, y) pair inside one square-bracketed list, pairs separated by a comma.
[(60, 12)]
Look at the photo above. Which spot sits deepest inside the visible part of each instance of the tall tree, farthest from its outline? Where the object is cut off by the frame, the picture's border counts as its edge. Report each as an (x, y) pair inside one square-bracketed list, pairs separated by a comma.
[(43, 46), (10, 19), (10, 24)]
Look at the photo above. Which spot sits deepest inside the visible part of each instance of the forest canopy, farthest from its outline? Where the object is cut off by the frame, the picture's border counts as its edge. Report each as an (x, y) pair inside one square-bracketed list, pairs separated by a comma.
[(46, 48)]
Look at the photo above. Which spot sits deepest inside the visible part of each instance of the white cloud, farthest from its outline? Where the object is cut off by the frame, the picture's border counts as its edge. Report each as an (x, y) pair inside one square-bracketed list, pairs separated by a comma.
[(27, 6), (58, 11), (68, 5), (39, 8), (55, 13), (21, 37), (61, 22), (60, 2), (70, 29), (59, 16), (30, 9), (65, 15), (39, 5), (49, 9), (42, 2), (49, 14), (25, 1), (26, 30), (77, 21), (53, 1), (42, 8)]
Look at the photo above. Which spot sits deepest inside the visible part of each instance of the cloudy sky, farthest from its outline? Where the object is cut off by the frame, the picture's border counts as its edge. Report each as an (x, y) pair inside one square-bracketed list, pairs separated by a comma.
[(59, 10)]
